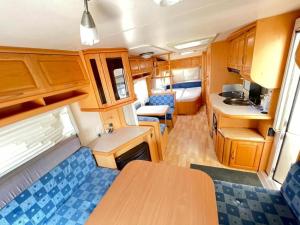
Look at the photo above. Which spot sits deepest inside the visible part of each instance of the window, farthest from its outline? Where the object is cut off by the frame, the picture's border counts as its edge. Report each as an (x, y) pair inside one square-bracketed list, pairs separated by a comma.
[(24, 140), (181, 75), (141, 90)]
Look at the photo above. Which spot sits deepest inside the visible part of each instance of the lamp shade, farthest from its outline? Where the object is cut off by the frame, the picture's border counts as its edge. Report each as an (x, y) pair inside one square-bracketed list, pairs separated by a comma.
[(88, 31), (88, 35)]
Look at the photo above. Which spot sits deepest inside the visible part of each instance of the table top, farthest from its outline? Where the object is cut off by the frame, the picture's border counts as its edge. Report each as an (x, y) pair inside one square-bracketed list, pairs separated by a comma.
[(152, 110), (109, 142), (147, 193)]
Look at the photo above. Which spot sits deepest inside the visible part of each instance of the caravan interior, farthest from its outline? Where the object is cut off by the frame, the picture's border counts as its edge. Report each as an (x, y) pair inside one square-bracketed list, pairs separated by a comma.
[(153, 112)]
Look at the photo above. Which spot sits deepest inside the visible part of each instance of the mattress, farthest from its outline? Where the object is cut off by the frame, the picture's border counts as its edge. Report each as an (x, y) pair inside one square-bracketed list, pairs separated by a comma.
[(188, 94), (179, 92)]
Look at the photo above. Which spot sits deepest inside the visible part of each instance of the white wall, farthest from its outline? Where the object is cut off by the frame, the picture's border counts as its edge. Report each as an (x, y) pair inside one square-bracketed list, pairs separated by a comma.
[(89, 124)]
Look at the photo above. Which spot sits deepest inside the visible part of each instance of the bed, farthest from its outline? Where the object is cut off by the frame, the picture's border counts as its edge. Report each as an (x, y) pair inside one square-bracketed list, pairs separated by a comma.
[(188, 97)]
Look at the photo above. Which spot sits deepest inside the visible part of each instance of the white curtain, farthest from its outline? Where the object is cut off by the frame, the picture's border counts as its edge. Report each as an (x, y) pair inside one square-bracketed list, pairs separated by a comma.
[(141, 90), (22, 141)]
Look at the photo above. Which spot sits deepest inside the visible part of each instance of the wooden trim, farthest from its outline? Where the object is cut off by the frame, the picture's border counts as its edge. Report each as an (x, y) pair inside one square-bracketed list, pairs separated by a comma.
[(256, 117), (241, 31), (109, 107), (103, 50), (8, 49), (161, 139)]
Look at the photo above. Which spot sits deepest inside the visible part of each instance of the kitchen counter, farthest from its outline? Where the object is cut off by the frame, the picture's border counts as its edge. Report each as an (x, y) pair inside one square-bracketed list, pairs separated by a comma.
[(235, 111), (109, 146), (110, 142)]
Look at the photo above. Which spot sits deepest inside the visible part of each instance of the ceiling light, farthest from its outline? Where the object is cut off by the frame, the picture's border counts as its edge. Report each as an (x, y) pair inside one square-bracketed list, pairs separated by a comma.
[(193, 43), (88, 31), (186, 52), (147, 55), (164, 3)]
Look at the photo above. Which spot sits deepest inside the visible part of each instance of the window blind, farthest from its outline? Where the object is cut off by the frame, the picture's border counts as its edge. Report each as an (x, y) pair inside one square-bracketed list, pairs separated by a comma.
[(24, 140), (141, 90)]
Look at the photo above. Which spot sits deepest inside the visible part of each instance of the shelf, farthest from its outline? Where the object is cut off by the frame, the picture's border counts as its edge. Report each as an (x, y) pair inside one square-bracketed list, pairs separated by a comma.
[(17, 112), (245, 134)]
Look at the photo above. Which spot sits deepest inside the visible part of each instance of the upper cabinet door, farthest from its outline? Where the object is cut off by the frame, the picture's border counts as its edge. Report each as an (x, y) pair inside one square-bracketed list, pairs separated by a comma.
[(116, 66), (62, 71), (98, 80), (134, 66), (18, 77), (248, 52), (240, 53)]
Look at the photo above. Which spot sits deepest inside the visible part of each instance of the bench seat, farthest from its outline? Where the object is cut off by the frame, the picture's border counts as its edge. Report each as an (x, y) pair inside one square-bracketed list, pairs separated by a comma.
[(67, 194)]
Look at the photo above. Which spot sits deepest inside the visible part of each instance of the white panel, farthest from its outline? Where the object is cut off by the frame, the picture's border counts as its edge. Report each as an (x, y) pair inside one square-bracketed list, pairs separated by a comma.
[(89, 124), (289, 153), (24, 140), (294, 121)]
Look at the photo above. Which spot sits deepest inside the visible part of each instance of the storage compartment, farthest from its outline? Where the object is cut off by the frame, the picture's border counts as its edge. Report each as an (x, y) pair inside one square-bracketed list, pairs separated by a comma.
[(140, 152), (19, 108), (240, 148), (62, 97)]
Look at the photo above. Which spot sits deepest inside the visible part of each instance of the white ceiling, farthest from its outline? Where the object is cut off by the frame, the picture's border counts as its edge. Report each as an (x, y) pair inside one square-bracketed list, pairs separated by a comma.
[(54, 24)]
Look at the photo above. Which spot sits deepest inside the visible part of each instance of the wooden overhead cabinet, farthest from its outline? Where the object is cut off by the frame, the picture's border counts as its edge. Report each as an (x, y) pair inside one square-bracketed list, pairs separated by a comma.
[(111, 80), (61, 71), (19, 77), (34, 81), (259, 51), (141, 66)]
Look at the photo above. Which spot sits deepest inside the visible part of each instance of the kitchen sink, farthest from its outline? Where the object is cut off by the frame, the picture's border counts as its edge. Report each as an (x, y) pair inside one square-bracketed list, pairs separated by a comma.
[(236, 101), (232, 94)]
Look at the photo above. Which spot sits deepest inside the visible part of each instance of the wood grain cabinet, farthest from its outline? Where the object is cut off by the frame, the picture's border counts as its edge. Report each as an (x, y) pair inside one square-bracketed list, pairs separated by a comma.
[(266, 46), (241, 53), (61, 71), (220, 146), (248, 53), (110, 76), (19, 77), (140, 66), (245, 154), (34, 81), (240, 148)]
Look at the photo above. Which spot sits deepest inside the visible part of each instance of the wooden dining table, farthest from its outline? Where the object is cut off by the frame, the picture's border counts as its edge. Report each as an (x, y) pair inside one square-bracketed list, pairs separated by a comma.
[(147, 193)]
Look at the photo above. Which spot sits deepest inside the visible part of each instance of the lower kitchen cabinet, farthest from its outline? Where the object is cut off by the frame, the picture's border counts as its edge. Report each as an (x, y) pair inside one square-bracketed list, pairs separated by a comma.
[(240, 148), (245, 154)]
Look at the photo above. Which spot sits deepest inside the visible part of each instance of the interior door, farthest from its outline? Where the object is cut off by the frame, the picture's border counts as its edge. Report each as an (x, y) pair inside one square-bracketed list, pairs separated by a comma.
[(291, 142)]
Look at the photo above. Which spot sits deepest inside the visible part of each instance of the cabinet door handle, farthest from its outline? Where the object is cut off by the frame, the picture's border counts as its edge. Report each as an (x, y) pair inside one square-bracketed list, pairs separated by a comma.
[(232, 155)]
